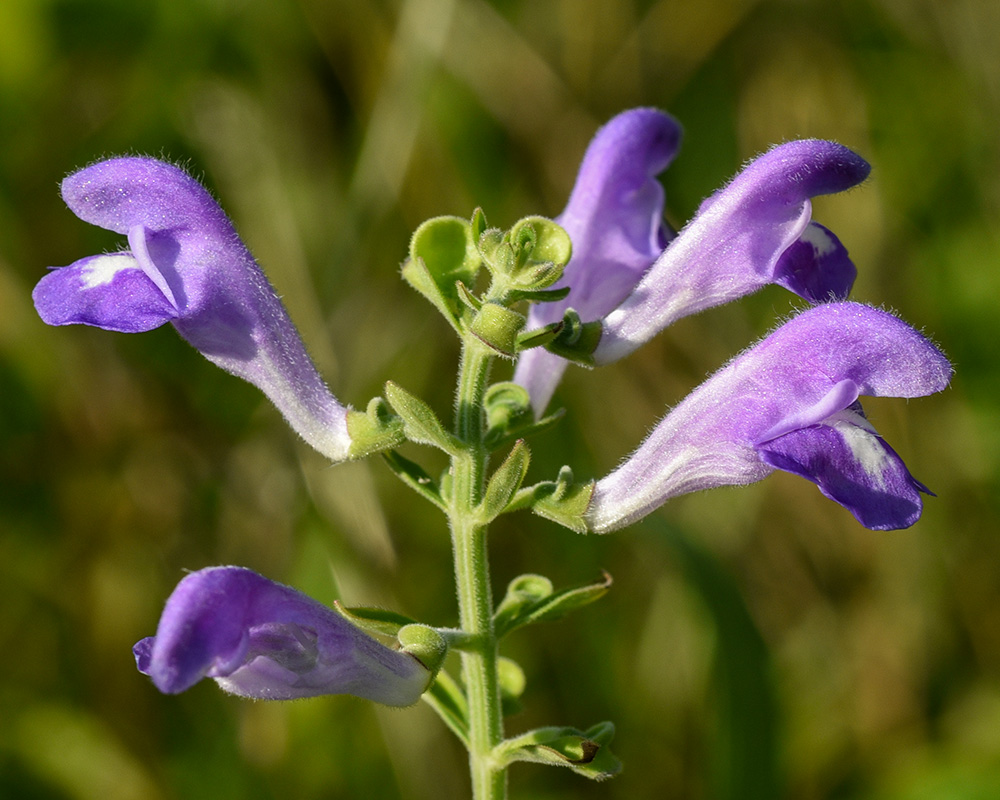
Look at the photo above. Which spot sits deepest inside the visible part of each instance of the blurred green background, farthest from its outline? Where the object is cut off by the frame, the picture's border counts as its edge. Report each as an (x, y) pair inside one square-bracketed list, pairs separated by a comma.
[(757, 643)]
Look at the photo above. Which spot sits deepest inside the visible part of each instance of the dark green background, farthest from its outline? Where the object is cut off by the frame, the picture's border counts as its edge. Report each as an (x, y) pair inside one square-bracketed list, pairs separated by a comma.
[(757, 643)]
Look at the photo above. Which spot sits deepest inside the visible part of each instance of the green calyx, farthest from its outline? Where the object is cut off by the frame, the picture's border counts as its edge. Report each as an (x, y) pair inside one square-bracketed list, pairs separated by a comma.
[(425, 644), (443, 256), (526, 260), (448, 253), (374, 430)]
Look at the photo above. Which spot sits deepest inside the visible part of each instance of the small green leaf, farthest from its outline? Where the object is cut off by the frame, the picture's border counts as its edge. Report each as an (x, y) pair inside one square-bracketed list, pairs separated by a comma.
[(373, 620), (539, 337), (443, 252), (550, 243), (509, 415), (521, 609), (585, 752), (508, 408), (489, 244), (505, 481), (449, 250), (538, 295), (477, 225), (414, 476), (468, 299), (420, 423), (564, 501), (373, 430), (577, 340), (523, 594)]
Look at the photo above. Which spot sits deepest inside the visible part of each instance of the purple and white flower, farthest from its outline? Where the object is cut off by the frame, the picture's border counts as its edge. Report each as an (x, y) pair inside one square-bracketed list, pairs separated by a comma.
[(631, 273), (790, 402), (186, 265), (755, 231), (614, 218), (260, 639)]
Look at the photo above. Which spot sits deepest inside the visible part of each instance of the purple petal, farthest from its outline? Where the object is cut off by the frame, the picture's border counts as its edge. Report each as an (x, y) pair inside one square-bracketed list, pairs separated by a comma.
[(735, 244), (816, 267), (853, 466), (614, 218), (261, 639), (188, 251), (808, 370), (109, 292)]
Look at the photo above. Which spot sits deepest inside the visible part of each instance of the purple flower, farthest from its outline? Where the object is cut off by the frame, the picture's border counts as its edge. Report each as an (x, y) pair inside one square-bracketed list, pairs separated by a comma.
[(789, 403), (755, 231), (260, 639), (186, 265), (614, 219)]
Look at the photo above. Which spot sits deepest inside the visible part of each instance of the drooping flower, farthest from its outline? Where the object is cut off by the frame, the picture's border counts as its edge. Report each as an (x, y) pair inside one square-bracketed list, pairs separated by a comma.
[(260, 639), (614, 218), (755, 231), (790, 403), (186, 265)]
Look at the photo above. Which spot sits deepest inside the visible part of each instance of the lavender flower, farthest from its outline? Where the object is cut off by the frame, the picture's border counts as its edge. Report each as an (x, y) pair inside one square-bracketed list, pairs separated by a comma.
[(187, 265), (755, 231), (614, 219), (789, 403), (260, 639), (628, 272)]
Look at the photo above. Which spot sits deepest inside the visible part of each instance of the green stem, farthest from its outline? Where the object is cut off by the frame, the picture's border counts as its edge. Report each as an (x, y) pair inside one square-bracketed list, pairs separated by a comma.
[(475, 601)]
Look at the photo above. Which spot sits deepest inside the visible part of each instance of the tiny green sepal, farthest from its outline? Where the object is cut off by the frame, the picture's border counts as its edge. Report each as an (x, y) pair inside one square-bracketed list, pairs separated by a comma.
[(505, 482), (425, 644), (498, 328), (477, 224), (469, 300), (564, 501), (373, 620), (585, 752), (489, 243), (538, 295), (543, 242), (509, 416), (531, 599), (373, 430), (538, 337), (443, 252), (414, 476), (577, 340), (420, 423), (507, 405)]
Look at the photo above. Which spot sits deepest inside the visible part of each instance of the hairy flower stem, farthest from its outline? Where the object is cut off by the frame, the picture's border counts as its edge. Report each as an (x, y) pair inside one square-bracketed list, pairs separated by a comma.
[(475, 600)]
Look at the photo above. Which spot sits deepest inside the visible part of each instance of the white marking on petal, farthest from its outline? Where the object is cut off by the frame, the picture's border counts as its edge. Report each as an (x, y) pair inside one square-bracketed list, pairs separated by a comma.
[(101, 270), (864, 443), (821, 241)]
